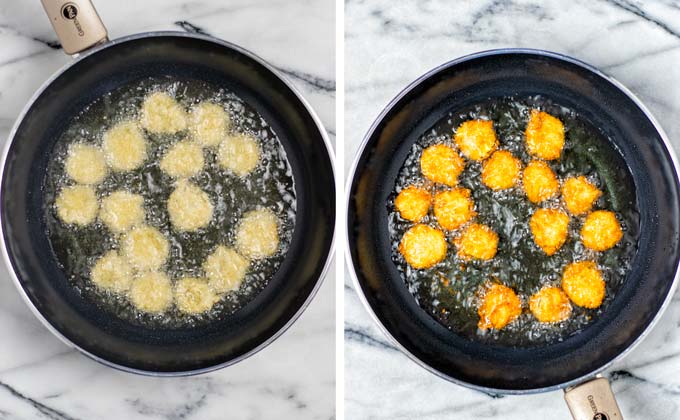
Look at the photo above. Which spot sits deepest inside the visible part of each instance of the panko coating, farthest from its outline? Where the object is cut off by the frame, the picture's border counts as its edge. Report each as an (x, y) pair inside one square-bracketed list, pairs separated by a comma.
[(193, 295), (161, 113), (413, 203), (423, 246), (441, 163), (453, 208), (151, 292), (544, 135), (501, 171), (257, 235), (189, 207), (208, 124), (601, 231), (477, 242), (579, 194), (550, 304), (476, 139), (225, 269), (77, 205), (499, 307), (183, 160), (539, 182), (145, 248), (124, 146), (122, 210), (549, 228), (239, 153), (112, 272), (85, 164), (583, 283)]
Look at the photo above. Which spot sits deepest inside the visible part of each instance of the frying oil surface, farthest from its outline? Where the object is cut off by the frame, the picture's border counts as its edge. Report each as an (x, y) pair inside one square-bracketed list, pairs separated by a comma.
[(270, 185), (449, 290)]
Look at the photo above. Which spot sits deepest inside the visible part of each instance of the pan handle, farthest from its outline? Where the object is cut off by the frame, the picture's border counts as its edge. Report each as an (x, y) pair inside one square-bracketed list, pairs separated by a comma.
[(76, 23), (593, 400)]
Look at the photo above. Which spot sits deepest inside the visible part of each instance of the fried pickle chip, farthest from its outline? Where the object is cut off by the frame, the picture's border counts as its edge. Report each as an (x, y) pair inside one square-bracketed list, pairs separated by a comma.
[(601, 230), (476, 139), (151, 292), (413, 203), (501, 171), (583, 283), (85, 164), (423, 246), (544, 136), (499, 307), (442, 164), (579, 195), (453, 208), (161, 113), (549, 228), (193, 295), (77, 205), (477, 242), (550, 304), (124, 146), (539, 182)]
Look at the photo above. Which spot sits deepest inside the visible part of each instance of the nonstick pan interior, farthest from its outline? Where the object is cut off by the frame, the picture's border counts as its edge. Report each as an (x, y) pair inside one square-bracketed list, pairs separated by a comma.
[(473, 80), (102, 335)]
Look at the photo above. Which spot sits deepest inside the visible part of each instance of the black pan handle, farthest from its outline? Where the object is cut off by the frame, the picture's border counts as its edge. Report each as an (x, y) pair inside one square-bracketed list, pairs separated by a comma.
[(593, 400), (76, 23)]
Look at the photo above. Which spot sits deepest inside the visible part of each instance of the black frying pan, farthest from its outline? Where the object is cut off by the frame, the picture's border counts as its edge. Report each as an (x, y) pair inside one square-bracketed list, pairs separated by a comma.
[(607, 105), (102, 335)]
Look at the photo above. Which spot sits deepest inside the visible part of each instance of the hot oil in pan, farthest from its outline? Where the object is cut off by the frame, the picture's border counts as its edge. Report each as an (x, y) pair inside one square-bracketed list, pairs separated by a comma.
[(447, 291), (269, 186)]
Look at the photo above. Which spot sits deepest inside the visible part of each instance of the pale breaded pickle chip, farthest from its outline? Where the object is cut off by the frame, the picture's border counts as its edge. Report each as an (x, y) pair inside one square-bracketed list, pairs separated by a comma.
[(124, 146), (442, 164), (601, 230), (183, 160), (225, 269), (549, 228), (476, 139), (112, 272), (189, 207), (583, 283), (161, 113), (413, 203), (208, 124), (77, 205), (257, 234), (239, 153), (145, 248), (501, 171), (151, 292), (453, 208), (85, 164), (579, 195), (539, 182), (423, 246), (193, 295), (121, 210), (544, 135), (499, 307), (550, 305), (477, 242)]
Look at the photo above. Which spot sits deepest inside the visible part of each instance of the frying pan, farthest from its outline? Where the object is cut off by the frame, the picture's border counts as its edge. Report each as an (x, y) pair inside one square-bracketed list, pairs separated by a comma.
[(109, 65), (573, 363)]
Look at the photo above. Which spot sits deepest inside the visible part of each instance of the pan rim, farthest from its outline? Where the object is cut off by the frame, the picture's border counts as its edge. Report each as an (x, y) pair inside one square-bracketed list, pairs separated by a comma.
[(158, 34), (362, 148)]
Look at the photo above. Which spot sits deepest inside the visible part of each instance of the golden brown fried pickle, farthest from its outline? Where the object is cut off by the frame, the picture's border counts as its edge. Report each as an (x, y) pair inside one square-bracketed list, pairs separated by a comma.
[(413, 203), (441, 163), (476, 139), (550, 304), (423, 246), (501, 170), (453, 208), (549, 229), (583, 284), (477, 242), (579, 195), (601, 231), (500, 306), (539, 182), (544, 135)]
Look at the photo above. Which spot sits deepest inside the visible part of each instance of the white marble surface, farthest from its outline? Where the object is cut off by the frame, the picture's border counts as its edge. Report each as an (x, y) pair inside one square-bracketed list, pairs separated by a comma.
[(388, 44), (294, 378)]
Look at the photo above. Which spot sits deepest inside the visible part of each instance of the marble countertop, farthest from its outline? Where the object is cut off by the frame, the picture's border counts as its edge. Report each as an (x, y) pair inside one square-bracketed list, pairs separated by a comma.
[(388, 44), (294, 377)]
